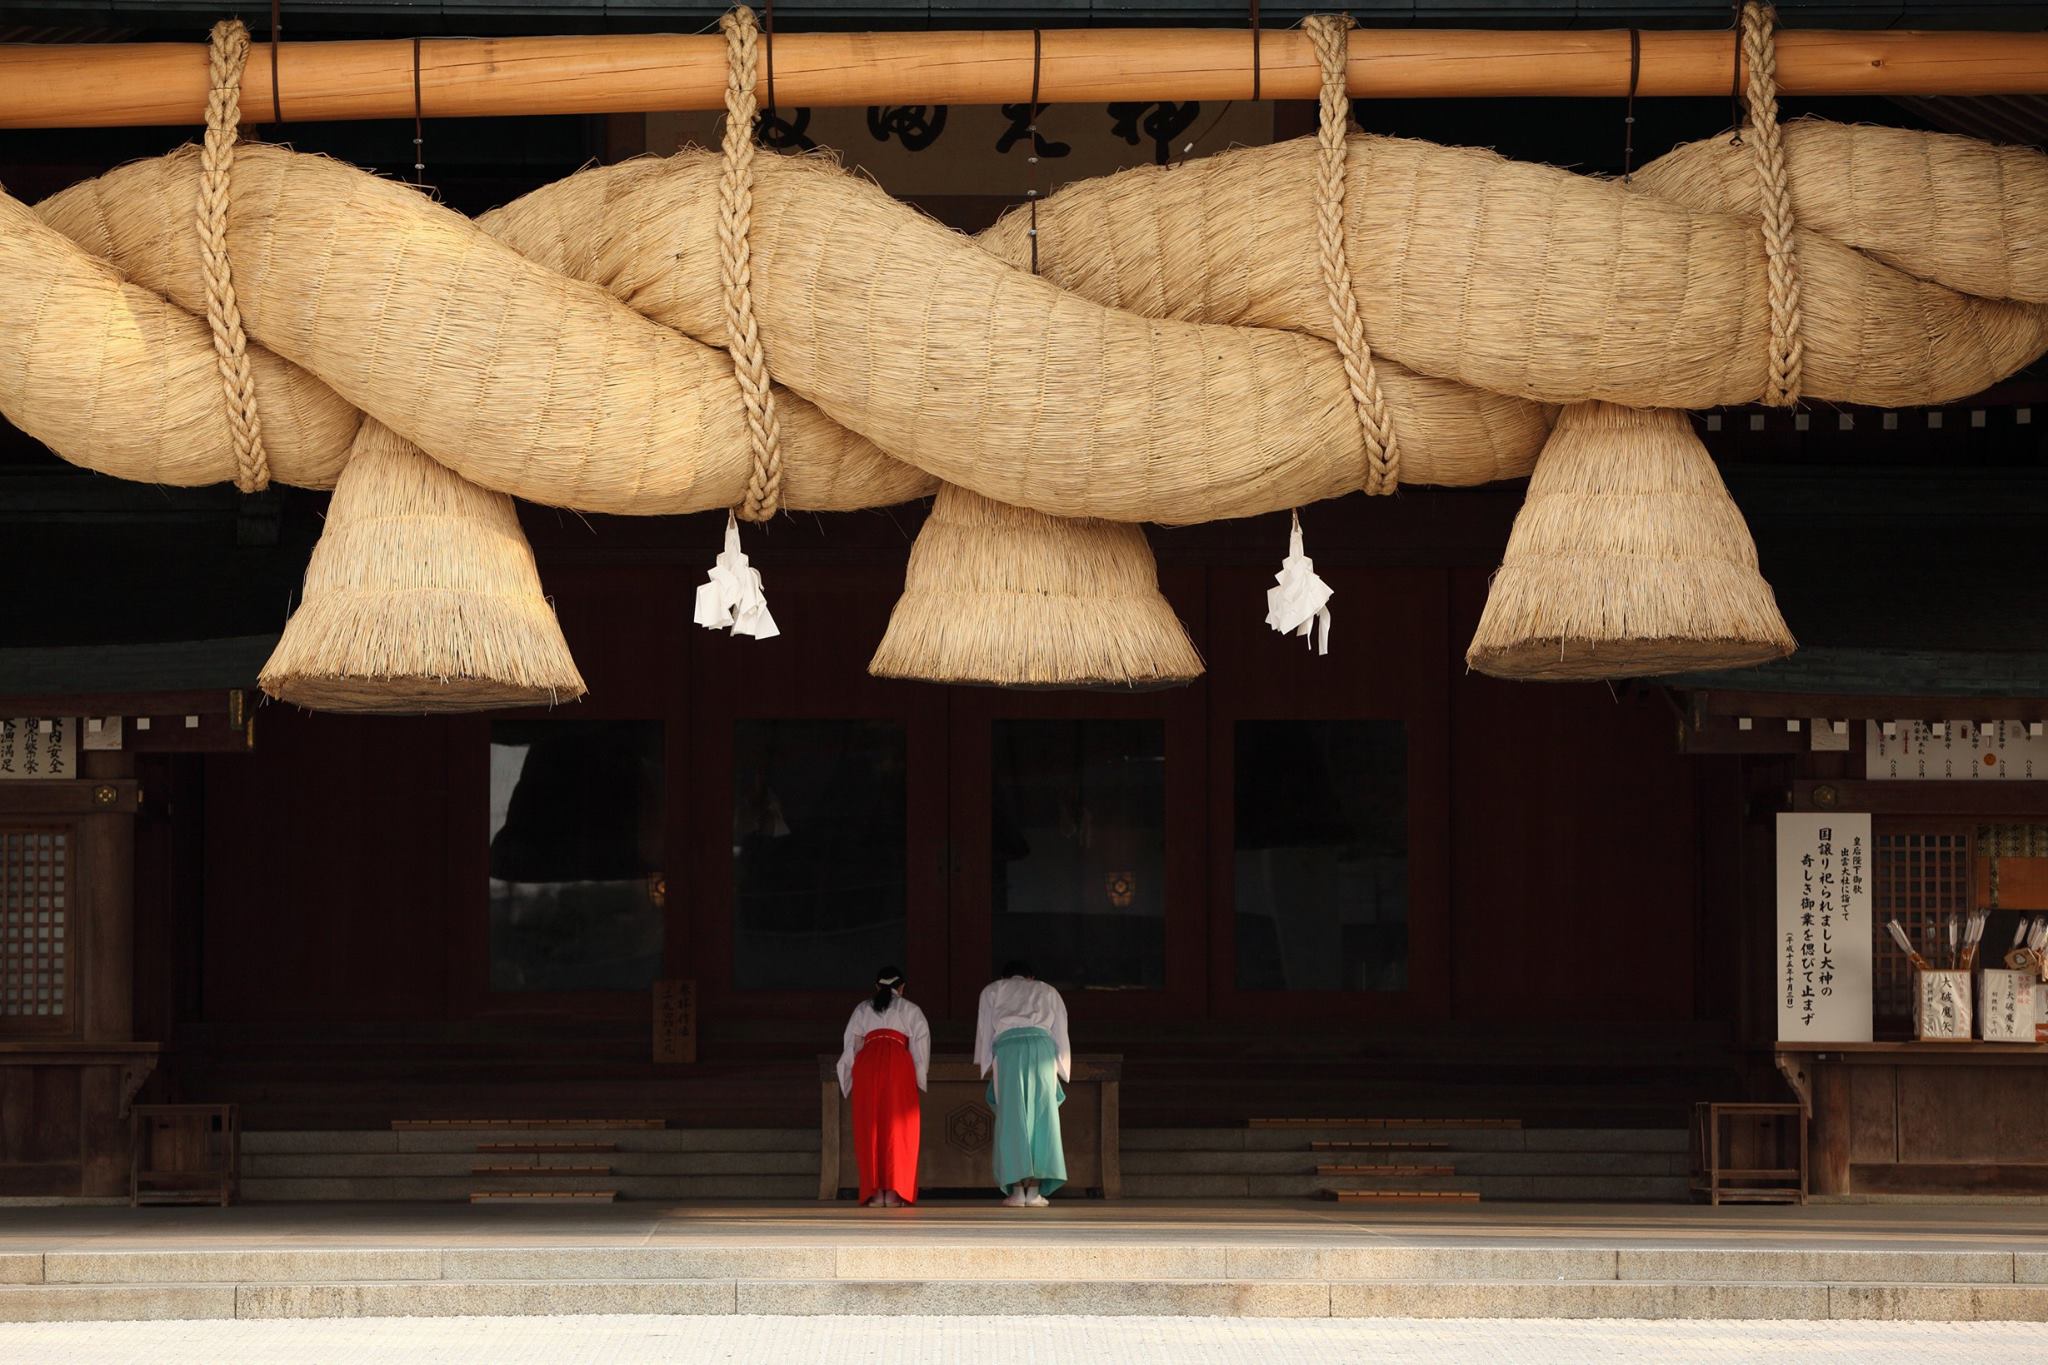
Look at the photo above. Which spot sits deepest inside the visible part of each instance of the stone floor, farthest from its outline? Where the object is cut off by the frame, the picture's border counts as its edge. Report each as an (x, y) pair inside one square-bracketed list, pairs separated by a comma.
[(1088, 1222), (1081, 1258), (1017, 1341)]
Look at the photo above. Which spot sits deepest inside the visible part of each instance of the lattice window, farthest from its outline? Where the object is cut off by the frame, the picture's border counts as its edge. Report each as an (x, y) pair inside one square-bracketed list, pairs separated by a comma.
[(35, 929), (1919, 877)]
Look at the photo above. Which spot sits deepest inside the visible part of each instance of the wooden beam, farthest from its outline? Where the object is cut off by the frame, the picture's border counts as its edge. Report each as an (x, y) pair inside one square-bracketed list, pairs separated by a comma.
[(70, 796), (130, 84), (1932, 797)]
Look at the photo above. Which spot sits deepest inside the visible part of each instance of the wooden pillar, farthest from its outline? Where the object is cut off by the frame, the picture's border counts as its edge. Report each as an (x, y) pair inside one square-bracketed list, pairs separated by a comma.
[(1829, 1134), (105, 974)]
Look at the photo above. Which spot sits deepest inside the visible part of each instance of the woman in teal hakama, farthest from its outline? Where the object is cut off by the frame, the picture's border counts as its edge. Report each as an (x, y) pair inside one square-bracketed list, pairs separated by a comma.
[(1021, 1037)]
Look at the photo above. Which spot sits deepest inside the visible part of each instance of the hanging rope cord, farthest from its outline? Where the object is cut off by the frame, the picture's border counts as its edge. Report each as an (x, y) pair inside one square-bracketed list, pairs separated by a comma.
[(227, 52), (736, 269), (1788, 352), (1329, 35)]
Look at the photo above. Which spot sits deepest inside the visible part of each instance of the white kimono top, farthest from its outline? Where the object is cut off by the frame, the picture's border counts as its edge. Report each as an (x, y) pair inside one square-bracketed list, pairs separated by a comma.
[(1020, 1002), (901, 1016)]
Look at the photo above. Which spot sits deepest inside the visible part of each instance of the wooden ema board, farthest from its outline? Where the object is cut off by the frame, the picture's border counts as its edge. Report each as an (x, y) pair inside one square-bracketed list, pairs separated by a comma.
[(1386, 1123), (447, 1125)]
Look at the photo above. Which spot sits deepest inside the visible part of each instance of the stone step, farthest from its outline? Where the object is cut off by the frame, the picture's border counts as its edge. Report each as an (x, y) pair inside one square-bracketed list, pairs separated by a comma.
[(1386, 1123), (292, 1189), (532, 1148), (1080, 1259), (1188, 1297), (538, 1170), (526, 1125), (1468, 1140), (1645, 1189), (1467, 1163), (1382, 1169), (262, 1165), (366, 1141), (542, 1196), (1387, 1196)]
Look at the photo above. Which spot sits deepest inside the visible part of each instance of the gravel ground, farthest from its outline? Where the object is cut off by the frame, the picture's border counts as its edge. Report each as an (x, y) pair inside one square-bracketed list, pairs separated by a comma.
[(1032, 1340)]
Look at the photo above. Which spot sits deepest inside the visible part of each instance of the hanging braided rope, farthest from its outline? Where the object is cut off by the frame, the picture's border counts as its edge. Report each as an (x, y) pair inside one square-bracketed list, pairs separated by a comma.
[(1330, 35), (227, 51), (736, 269), (1788, 351)]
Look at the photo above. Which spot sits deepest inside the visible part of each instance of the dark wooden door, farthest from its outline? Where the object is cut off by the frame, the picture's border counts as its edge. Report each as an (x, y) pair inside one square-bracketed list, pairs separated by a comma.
[(1076, 836), (1387, 667)]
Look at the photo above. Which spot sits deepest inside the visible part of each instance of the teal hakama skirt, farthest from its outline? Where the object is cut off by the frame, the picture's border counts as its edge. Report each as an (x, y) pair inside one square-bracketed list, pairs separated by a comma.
[(1026, 1095)]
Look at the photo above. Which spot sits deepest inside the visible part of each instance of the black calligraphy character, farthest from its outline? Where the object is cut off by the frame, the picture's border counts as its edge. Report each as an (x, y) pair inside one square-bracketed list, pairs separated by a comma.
[(917, 125), (1022, 117), (782, 134), (1166, 122)]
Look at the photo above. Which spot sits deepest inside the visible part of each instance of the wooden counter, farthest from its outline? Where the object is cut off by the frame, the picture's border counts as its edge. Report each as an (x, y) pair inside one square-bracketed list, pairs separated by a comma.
[(1923, 1118), (64, 1116), (959, 1129)]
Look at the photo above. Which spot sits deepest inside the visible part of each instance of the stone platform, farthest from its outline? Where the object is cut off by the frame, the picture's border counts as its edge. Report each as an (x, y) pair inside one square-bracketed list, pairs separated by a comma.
[(1278, 1259)]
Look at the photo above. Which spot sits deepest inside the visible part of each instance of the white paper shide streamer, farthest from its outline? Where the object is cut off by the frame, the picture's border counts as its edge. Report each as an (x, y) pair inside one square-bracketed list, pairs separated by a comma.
[(1299, 601), (731, 597)]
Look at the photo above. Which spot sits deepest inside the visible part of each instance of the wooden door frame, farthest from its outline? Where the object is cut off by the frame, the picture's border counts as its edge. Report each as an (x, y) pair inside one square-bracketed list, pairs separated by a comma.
[(1389, 660), (1182, 710), (736, 680)]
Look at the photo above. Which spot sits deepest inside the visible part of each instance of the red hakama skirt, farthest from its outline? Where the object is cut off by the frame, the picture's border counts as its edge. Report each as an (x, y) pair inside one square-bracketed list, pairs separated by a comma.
[(885, 1116)]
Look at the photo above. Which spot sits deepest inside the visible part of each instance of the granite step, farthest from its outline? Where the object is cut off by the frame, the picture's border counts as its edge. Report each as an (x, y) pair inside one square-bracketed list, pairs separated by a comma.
[(1467, 1163), (1074, 1256), (1582, 1299), (359, 1141), (1591, 1189), (262, 1165), (317, 1188), (1474, 1140)]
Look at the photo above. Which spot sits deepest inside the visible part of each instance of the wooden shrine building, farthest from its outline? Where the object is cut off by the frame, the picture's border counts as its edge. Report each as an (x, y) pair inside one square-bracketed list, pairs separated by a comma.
[(1362, 884)]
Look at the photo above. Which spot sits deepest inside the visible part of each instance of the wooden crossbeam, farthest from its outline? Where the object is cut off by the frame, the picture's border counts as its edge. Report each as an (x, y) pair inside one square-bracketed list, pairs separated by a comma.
[(51, 85)]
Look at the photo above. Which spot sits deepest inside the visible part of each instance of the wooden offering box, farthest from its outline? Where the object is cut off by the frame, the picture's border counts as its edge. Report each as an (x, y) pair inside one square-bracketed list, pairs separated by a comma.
[(959, 1129)]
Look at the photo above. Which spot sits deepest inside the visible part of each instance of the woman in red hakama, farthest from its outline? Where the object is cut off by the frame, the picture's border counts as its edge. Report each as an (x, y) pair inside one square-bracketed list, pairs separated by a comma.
[(882, 1066)]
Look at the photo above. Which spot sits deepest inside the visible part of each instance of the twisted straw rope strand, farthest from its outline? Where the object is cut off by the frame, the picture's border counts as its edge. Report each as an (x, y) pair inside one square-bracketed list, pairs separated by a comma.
[(227, 51), (1788, 351), (1329, 33), (736, 268)]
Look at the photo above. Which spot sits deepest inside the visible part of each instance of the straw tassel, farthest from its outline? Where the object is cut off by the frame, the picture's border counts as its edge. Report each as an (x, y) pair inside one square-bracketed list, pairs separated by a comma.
[(1012, 598), (421, 595), (1628, 559)]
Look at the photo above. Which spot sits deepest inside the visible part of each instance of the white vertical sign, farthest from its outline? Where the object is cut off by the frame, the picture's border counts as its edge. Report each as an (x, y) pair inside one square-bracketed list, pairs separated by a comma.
[(37, 749), (1823, 944)]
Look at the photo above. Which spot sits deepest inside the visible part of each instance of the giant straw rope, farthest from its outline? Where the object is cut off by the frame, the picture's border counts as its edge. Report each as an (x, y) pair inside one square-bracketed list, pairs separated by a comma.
[(630, 339)]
